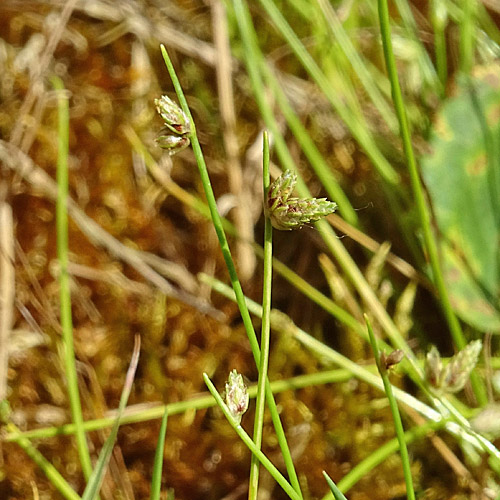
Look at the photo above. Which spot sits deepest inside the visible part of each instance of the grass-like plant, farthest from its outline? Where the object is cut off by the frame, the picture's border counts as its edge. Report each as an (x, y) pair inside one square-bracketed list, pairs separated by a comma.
[(339, 79)]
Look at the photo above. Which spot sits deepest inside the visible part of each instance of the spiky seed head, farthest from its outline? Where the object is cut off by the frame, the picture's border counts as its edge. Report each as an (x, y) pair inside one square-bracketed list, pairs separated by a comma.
[(288, 213), (172, 115), (236, 395), (457, 371), (453, 376), (281, 189)]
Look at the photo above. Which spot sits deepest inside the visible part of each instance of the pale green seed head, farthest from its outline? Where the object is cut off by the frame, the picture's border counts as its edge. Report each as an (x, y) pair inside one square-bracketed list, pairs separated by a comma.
[(236, 395), (452, 377), (174, 118), (433, 367), (457, 371), (288, 213), (172, 143)]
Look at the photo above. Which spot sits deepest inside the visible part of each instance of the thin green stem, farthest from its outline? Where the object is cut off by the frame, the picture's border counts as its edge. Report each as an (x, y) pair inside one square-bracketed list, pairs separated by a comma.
[(383, 453), (352, 55), (240, 298), (360, 133), (64, 283), (398, 424), (158, 462), (265, 330), (193, 404), (335, 491), (326, 232), (467, 35), (439, 15), (52, 474), (422, 209), (250, 444)]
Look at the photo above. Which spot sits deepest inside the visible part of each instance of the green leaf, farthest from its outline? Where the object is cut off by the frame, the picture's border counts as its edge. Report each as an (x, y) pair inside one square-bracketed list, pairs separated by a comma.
[(462, 174)]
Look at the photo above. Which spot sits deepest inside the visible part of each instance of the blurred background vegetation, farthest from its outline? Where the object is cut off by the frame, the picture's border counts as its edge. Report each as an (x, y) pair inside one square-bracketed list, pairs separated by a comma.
[(138, 242)]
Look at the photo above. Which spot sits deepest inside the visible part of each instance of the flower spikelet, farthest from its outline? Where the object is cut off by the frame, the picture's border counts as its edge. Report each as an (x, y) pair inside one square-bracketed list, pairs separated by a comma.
[(236, 395), (452, 377), (288, 213), (433, 367), (457, 371), (172, 115), (174, 136)]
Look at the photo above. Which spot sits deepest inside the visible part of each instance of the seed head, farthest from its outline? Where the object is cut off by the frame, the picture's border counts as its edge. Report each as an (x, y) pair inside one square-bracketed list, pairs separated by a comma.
[(174, 118), (454, 376), (236, 395), (457, 371), (433, 367), (172, 143), (391, 359), (288, 213)]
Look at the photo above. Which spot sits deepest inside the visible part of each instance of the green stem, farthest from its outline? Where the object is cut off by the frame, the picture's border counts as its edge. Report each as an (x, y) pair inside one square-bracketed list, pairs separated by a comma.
[(383, 453), (422, 209), (265, 330), (64, 291), (360, 133), (467, 36), (439, 16), (352, 54), (158, 462), (194, 404), (398, 424), (52, 474), (250, 444), (240, 298)]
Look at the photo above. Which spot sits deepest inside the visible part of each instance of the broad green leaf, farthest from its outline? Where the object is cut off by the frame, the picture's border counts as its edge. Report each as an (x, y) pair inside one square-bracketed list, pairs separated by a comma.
[(462, 175)]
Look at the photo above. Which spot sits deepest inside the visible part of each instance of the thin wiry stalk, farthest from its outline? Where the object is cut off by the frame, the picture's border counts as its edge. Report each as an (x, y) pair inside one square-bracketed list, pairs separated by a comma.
[(360, 133), (197, 403), (219, 229), (250, 444), (422, 209), (64, 292), (398, 424), (52, 474), (158, 462), (265, 330)]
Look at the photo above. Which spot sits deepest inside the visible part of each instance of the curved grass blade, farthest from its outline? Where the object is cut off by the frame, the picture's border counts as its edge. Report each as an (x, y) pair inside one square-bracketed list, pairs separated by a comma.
[(95, 481)]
